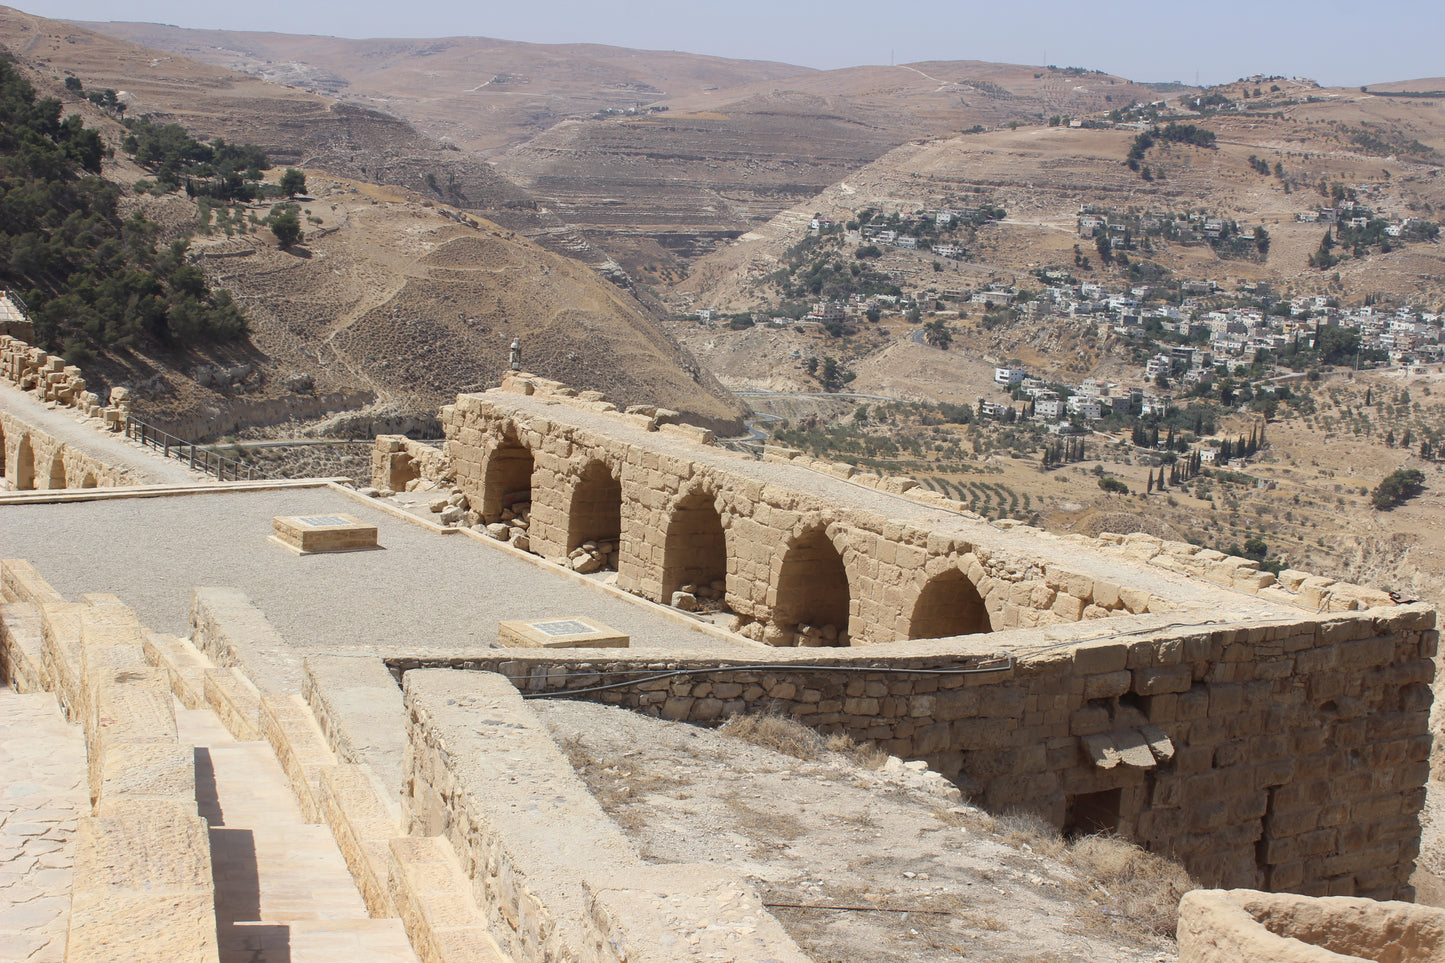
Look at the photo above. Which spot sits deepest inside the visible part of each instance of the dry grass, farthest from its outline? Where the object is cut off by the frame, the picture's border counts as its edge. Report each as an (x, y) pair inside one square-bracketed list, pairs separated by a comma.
[(618, 783), (780, 733), (1138, 889), (1142, 887)]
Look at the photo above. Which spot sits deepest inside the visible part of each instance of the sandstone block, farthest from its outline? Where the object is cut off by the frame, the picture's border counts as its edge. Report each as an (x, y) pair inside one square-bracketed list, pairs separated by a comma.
[(142, 887)]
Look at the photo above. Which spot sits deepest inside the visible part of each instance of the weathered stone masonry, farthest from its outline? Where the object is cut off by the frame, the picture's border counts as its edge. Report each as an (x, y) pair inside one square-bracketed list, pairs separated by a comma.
[(1286, 756), (810, 552), (33, 459), (1270, 732)]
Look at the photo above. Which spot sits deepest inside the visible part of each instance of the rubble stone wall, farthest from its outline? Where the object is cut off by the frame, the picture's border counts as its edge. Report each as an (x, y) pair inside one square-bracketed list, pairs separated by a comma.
[(397, 460), (1283, 756)]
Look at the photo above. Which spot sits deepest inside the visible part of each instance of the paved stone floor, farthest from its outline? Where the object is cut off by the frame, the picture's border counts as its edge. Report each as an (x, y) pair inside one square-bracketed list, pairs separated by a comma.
[(283, 893), (42, 793)]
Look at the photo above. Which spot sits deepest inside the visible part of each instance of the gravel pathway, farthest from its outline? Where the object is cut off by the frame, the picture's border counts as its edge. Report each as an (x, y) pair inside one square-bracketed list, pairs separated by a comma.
[(422, 589)]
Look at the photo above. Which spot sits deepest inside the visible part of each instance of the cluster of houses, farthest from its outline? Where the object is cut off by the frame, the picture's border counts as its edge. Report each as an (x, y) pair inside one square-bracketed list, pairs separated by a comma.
[(1189, 228), (1228, 337), (905, 233), (1061, 408), (1236, 336)]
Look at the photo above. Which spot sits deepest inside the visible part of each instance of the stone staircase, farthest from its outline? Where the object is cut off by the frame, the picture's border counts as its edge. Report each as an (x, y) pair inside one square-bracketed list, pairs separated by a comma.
[(217, 826)]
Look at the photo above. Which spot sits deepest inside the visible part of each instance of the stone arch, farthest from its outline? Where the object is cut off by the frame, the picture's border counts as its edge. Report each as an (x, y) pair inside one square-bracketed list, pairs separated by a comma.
[(56, 479), (595, 514), (812, 585), (695, 544), (949, 604), (89, 480), (24, 465), (507, 479)]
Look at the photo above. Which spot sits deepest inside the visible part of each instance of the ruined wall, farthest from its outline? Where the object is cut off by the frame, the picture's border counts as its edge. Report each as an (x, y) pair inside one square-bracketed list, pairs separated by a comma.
[(49, 378), (397, 460), (35, 460), (888, 579), (1290, 755), (808, 552)]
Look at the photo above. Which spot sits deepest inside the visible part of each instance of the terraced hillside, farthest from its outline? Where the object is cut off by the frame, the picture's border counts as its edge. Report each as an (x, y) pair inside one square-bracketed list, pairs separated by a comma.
[(393, 295), (1390, 150), (659, 158)]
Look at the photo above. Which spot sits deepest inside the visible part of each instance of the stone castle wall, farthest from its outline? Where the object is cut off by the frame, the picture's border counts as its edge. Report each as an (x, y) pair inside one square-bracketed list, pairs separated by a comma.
[(35, 460), (806, 552), (1279, 756)]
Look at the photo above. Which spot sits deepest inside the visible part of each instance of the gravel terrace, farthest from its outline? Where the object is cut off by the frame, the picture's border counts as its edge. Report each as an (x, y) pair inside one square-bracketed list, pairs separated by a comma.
[(422, 588)]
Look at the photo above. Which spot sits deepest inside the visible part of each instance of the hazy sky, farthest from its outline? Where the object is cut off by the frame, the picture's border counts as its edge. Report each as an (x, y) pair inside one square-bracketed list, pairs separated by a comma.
[(1334, 42)]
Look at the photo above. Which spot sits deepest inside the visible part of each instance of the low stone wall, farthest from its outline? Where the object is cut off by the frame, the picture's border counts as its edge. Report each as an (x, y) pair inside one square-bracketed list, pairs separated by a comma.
[(554, 876), (1244, 926), (397, 461), (35, 460), (1290, 755)]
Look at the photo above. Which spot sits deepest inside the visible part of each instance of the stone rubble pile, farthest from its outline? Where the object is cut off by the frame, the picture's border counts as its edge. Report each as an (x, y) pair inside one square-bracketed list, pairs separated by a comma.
[(802, 635), (700, 598), (593, 556), (512, 529)]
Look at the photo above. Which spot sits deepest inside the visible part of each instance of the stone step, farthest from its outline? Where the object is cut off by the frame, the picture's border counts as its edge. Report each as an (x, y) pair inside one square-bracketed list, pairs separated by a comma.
[(183, 662), (362, 824), (232, 697), (434, 898), (21, 582), (143, 888), (283, 890), (22, 647), (300, 747), (318, 941)]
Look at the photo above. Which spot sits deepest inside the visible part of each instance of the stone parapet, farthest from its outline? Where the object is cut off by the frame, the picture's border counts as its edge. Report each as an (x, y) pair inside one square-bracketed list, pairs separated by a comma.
[(1244, 926), (1290, 755), (548, 869)]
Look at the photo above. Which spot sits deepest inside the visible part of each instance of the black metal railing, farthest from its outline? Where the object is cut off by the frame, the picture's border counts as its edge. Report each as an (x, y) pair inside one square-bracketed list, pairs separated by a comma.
[(198, 457), (15, 299)]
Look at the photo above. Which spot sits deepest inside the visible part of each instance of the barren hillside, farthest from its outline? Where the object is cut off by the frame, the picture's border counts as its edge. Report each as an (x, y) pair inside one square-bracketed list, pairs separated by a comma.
[(484, 94), (394, 296), (658, 157), (1043, 175)]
